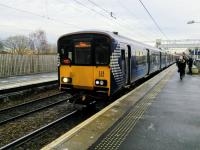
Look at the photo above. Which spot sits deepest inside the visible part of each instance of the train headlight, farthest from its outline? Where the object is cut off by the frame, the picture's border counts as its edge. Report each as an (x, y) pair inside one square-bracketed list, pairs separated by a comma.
[(66, 80), (97, 82), (101, 82)]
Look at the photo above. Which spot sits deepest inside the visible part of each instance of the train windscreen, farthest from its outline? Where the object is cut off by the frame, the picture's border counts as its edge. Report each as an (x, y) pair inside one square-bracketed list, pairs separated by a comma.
[(82, 53), (84, 49), (101, 48)]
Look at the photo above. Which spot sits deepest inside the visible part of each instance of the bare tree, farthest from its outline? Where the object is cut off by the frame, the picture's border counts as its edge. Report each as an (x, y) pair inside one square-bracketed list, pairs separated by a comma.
[(52, 48), (18, 44), (1, 45), (38, 42)]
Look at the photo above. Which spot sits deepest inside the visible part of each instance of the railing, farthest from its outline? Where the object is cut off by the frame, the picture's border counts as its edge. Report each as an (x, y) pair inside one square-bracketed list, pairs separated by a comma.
[(12, 65)]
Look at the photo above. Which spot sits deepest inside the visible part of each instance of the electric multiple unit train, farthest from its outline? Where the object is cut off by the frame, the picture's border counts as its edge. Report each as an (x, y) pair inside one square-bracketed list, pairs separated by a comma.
[(104, 62)]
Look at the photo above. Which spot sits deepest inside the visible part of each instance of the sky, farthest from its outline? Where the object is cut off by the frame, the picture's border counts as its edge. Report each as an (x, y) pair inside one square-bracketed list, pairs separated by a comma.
[(58, 17)]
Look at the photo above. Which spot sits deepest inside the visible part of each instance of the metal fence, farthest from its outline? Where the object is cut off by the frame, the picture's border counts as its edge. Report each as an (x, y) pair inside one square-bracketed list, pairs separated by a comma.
[(12, 65)]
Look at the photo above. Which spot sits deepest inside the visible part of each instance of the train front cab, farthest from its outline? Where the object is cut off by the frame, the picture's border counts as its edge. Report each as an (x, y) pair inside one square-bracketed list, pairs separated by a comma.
[(84, 63)]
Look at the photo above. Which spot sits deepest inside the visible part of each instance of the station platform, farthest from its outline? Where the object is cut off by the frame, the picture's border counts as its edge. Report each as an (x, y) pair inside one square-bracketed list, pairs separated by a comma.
[(161, 114), (18, 81)]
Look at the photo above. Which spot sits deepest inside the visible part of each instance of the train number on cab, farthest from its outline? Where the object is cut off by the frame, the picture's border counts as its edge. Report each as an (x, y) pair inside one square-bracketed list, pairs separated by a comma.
[(101, 73)]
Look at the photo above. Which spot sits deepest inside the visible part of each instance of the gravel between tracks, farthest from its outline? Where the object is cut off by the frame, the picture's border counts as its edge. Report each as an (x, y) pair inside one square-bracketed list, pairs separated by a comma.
[(26, 98), (20, 127)]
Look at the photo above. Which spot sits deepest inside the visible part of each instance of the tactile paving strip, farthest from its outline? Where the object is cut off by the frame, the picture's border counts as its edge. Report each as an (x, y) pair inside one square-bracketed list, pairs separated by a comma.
[(119, 133)]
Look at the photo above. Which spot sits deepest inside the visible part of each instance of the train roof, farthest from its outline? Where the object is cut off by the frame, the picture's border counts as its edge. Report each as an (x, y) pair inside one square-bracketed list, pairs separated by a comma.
[(114, 36)]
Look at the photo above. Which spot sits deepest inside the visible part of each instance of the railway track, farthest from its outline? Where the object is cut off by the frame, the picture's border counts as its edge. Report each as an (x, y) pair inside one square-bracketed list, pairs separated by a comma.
[(58, 127), (21, 110), (24, 134), (28, 137)]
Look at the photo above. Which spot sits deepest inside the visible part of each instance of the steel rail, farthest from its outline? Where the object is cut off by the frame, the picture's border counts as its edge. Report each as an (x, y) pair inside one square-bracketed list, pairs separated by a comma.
[(31, 135), (29, 102), (25, 114)]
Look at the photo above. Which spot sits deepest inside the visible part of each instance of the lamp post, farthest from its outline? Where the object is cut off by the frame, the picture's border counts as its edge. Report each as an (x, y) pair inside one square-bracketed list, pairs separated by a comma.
[(192, 21)]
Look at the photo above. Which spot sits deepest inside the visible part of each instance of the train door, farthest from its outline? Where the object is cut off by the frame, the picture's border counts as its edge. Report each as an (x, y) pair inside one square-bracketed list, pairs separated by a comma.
[(160, 60), (123, 62), (126, 63), (148, 61)]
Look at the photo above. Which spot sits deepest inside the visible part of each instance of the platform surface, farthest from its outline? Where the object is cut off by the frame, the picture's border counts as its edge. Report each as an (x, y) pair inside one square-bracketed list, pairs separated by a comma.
[(17, 81), (161, 114), (170, 120)]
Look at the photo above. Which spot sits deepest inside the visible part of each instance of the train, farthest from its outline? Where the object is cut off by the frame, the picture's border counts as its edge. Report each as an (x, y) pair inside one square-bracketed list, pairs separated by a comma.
[(101, 63)]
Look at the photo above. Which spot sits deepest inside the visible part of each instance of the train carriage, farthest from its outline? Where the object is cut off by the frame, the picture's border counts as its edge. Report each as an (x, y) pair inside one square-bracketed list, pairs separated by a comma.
[(163, 60), (103, 62)]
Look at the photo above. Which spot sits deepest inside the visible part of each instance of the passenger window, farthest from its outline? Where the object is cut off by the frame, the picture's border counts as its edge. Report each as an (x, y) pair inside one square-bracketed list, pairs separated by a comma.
[(65, 53), (70, 55), (62, 51), (101, 54), (82, 53), (101, 50)]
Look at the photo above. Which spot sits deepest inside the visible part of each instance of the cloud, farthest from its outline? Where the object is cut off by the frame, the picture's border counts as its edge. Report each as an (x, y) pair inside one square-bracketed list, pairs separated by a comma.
[(58, 17)]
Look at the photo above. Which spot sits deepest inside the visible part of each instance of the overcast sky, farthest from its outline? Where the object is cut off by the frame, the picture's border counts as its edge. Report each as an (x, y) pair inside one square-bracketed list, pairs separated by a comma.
[(58, 17)]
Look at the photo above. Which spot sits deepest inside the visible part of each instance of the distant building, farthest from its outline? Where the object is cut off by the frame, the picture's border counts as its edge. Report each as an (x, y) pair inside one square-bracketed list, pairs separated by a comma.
[(195, 53)]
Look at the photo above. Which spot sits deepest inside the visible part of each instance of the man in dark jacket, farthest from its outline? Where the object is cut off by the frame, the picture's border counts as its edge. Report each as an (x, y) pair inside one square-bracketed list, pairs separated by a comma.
[(190, 62), (181, 67)]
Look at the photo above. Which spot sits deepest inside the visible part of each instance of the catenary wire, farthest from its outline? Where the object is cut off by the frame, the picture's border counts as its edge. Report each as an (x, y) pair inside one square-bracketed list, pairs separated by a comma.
[(154, 21), (38, 15)]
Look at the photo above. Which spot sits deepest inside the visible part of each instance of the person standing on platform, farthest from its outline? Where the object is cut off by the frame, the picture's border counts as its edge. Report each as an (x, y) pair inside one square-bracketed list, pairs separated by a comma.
[(181, 67), (190, 63)]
